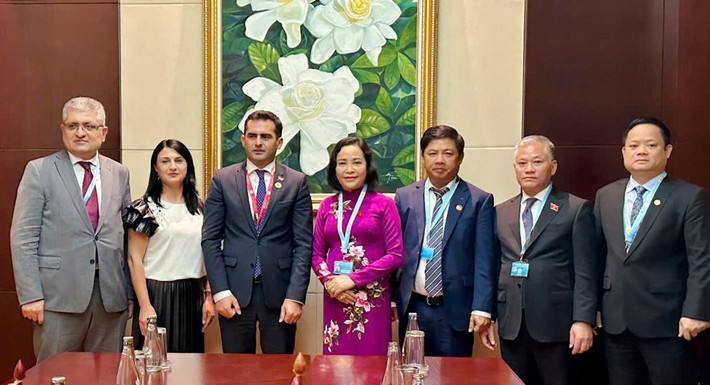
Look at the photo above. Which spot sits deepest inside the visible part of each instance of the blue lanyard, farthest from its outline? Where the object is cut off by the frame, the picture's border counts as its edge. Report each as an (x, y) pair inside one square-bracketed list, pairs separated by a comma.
[(542, 207), (630, 230), (345, 238), (90, 190), (446, 199)]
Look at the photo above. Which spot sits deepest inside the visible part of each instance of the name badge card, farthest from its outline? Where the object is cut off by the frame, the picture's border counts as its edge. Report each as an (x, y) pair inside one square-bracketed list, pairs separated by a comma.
[(343, 268), (427, 253), (520, 269)]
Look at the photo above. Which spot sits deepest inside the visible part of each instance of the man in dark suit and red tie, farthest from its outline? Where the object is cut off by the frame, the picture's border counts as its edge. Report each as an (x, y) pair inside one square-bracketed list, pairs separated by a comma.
[(257, 243), (655, 243), (547, 291), (450, 274)]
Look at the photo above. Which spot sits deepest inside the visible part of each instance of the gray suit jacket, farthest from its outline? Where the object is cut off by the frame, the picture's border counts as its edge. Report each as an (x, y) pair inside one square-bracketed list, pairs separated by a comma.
[(230, 242), (666, 273), (561, 286), (53, 244)]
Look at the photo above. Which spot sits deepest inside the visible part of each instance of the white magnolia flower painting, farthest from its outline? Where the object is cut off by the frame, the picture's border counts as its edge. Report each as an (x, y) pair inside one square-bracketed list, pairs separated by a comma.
[(329, 69)]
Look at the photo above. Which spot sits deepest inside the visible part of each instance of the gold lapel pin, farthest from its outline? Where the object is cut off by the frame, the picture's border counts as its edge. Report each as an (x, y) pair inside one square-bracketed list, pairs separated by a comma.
[(277, 184), (459, 208), (281, 177), (657, 202)]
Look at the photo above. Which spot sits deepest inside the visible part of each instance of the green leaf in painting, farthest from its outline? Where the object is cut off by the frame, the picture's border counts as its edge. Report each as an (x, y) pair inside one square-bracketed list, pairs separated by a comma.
[(409, 117), (332, 64), (411, 53), (366, 76), (228, 144), (231, 116), (408, 36), (405, 156), (388, 54), (407, 69), (406, 176), (384, 103), (262, 55), (371, 124), (392, 75)]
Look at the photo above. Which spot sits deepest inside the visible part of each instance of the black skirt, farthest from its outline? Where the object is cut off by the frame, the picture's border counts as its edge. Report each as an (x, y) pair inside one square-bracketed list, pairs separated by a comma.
[(179, 307)]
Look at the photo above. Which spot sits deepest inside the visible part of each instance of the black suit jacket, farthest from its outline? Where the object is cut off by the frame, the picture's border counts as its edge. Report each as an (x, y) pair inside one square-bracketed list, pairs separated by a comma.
[(561, 286), (666, 273), (230, 242)]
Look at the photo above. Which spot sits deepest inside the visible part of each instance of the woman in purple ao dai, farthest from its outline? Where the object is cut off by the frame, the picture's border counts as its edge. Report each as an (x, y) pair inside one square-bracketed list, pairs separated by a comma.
[(356, 304)]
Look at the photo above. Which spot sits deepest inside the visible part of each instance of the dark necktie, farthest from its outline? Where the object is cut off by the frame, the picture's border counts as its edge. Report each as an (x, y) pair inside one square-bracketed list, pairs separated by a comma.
[(432, 272), (260, 196), (527, 217), (636, 209), (92, 205)]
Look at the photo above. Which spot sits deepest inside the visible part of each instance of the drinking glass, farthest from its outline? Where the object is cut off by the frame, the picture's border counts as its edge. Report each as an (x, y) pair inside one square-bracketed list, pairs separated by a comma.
[(406, 374)]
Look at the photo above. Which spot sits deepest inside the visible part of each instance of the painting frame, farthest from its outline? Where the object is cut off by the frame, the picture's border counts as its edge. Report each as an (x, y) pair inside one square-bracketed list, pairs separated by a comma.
[(425, 96)]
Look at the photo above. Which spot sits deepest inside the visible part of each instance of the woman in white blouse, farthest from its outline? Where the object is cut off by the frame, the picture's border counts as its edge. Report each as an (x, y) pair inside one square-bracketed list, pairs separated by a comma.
[(164, 252)]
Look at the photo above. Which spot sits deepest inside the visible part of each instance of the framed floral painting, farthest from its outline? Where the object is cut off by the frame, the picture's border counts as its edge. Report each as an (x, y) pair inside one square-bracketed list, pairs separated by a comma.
[(329, 69)]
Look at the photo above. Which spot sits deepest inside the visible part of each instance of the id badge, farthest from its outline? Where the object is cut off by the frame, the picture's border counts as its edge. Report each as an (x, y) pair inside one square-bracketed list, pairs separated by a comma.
[(427, 253), (343, 268), (519, 269)]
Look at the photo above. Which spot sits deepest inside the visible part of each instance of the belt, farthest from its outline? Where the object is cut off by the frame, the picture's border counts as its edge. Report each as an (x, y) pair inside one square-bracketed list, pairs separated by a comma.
[(257, 279), (431, 301)]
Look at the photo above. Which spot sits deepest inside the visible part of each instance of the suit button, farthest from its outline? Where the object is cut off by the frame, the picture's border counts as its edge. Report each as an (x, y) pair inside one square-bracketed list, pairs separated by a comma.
[(251, 265), (91, 261), (96, 237), (520, 284)]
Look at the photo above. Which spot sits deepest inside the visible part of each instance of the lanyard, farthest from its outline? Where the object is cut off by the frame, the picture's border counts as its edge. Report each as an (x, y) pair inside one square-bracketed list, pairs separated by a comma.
[(630, 230), (542, 206), (259, 214), (446, 199), (345, 238), (91, 188)]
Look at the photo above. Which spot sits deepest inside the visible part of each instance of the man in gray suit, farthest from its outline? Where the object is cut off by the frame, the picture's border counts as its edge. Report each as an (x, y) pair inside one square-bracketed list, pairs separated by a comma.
[(67, 240), (257, 239), (548, 280)]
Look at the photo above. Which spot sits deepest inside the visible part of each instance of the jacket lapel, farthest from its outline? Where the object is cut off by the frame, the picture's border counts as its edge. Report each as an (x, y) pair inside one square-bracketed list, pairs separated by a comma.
[(456, 207), (68, 177), (418, 209), (107, 182), (662, 196), (548, 212), (278, 177), (243, 194), (512, 217)]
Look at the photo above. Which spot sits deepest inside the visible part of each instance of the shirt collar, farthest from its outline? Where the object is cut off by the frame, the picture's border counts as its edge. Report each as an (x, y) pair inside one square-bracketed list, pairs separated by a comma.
[(650, 185), (75, 159), (539, 196), (450, 185), (270, 168)]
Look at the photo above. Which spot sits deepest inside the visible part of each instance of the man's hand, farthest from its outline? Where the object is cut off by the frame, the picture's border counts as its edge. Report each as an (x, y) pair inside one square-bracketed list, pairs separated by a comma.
[(143, 314), (207, 312), (34, 311), (581, 337), (488, 338), (338, 284), (478, 323), (229, 306), (689, 328), (291, 312)]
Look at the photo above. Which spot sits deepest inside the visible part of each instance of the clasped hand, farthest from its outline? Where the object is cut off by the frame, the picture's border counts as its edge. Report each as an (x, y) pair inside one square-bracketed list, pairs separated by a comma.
[(340, 287)]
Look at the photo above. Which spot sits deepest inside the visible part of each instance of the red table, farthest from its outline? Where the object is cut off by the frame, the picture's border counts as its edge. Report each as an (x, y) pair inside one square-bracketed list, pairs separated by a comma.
[(223, 369)]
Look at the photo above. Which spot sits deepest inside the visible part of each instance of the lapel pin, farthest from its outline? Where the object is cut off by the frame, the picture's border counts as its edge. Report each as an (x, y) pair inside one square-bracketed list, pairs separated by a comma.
[(277, 185), (459, 208), (281, 177), (657, 202), (554, 207)]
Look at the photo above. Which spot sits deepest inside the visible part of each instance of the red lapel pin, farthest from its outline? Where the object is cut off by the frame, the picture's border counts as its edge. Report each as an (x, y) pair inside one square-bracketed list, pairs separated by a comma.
[(554, 207)]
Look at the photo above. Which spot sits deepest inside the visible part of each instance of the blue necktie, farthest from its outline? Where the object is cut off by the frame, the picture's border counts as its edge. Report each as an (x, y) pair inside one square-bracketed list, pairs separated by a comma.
[(636, 208), (432, 272), (260, 195), (527, 218)]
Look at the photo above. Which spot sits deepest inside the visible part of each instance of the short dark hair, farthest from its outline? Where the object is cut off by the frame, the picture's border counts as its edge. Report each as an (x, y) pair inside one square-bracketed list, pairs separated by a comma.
[(265, 115), (665, 131), (189, 185), (371, 178), (441, 132)]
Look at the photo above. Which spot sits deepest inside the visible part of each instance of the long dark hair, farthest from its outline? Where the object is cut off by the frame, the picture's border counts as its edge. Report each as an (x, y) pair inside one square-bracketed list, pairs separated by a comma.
[(189, 185)]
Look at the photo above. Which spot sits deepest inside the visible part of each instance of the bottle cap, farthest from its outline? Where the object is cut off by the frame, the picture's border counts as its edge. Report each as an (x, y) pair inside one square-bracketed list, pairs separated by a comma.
[(58, 380)]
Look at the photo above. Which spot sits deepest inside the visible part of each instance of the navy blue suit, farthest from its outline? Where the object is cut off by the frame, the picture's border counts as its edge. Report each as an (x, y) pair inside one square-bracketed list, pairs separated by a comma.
[(469, 265)]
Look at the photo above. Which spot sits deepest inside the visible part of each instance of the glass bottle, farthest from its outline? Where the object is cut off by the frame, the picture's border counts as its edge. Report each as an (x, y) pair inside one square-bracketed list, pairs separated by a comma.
[(127, 371), (59, 380), (412, 323), (152, 347), (391, 376), (163, 334)]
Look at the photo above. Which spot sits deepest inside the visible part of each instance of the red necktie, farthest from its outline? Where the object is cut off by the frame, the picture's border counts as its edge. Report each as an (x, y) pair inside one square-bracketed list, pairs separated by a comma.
[(92, 205)]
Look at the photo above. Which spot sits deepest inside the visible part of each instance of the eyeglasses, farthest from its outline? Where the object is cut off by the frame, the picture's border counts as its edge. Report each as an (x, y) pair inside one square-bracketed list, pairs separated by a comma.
[(85, 126)]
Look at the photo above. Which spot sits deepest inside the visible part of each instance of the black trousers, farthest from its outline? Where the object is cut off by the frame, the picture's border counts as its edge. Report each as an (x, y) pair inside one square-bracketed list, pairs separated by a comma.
[(239, 332), (644, 361), (537, 363)]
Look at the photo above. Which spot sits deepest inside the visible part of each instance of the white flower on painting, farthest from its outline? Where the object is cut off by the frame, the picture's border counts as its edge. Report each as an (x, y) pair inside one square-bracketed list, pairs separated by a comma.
[(317, 104), (346, 26), (291, 14)]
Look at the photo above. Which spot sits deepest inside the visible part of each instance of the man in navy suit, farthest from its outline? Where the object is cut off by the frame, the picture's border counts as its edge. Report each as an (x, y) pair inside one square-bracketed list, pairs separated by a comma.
[(450, 272)]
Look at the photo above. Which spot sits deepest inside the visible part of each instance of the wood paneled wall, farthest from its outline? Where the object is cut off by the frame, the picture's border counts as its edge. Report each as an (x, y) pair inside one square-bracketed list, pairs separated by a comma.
[(593, 66), (50, 51)]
